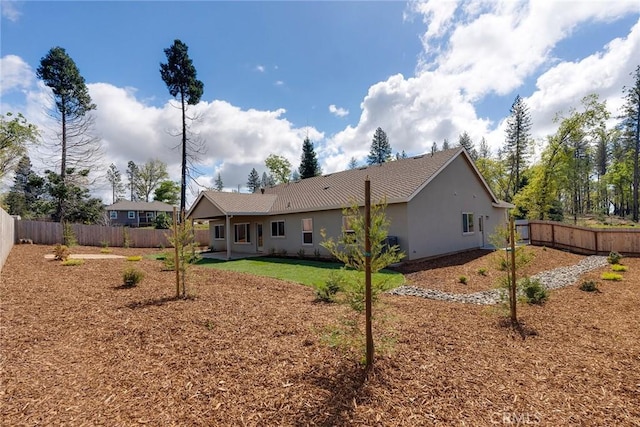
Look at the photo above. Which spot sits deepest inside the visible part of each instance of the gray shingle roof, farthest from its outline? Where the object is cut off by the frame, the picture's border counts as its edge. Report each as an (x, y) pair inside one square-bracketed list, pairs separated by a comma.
[(397, 181), (127, 205)]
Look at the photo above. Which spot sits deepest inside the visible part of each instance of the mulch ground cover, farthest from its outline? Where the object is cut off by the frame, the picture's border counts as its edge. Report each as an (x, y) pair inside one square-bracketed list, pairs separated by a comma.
[(79, 349)]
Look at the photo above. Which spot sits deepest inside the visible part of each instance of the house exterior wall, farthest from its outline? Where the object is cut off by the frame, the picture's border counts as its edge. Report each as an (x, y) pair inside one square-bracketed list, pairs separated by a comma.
[(435, 215), (292, 241), (140, 218)]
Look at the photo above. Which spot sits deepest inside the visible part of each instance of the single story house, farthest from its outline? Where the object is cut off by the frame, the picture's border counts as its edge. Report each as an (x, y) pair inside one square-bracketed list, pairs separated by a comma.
[(436, 204), (137, 214)]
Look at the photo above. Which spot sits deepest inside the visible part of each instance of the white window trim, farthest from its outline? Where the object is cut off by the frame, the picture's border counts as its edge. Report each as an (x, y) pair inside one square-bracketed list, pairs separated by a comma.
[(220, 226), (131, 215), (470, 225), (247, 233), (113, 214), (345, 224), (150, 215), (283, 229), (306, 232)]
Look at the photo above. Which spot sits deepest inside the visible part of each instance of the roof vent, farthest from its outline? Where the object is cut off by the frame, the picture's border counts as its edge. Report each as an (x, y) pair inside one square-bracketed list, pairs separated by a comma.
[(419, 157), (326, 188), (362, 168), (262, 190)]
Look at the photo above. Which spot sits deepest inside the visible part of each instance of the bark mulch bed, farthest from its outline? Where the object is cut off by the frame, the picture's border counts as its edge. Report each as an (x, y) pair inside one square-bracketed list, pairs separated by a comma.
[(78, 349)]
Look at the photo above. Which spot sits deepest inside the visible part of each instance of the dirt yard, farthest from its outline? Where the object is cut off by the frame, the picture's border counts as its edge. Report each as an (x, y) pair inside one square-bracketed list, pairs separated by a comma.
[(78, 349)]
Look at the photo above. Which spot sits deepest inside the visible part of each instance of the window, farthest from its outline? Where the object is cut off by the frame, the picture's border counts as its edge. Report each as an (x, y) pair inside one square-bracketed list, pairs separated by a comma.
[(347, 223), (307, 231), (277, 228), (113, 214), (241, 233), (131, 215), (467, 222), (218, 232), (150, 215)]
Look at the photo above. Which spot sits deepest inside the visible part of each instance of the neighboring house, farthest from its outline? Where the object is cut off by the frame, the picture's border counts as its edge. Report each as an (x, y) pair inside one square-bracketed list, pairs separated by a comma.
[(137, 214), (436, 204)]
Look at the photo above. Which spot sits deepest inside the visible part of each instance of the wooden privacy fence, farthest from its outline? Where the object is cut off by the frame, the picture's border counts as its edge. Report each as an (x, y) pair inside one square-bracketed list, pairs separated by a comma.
[(51, 233), (585, 240)]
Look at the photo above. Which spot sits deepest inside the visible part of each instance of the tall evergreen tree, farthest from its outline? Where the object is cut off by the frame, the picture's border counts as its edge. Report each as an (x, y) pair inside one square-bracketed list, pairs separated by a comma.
[(353, 163), (28, 187), (445, 144), (464, 140), (434, 147), (517, 143), (179, 75), (218, 184), (72, 103), (115, 179), (253, 183), (132, 176), (484, 152), (380, 148), (309, 166), (631, 132), (264, 182)]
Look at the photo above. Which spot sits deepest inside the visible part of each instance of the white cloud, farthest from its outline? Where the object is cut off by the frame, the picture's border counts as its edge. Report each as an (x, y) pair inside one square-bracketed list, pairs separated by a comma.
[(278, 83), (260, 68), (10, 10), (338, 111), (480, 48), (15, 74)]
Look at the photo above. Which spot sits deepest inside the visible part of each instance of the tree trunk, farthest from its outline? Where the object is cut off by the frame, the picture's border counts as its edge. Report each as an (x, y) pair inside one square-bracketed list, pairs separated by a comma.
[(183, 184)]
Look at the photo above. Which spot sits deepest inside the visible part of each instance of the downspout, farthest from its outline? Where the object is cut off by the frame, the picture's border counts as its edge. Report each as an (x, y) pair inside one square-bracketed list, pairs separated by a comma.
[(228, 237)]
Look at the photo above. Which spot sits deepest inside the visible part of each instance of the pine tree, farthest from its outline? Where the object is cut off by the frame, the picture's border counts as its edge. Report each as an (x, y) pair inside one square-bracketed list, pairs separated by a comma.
[(380, 148), (132, 176), (218, 184), (484, 152), (264, 182), (434, 148), (445, 144), (26, 190), (353, 163), (179, 75), (517, 143), (253, 183), (115, 179), (631, 133), (464, 140), (309, 166)]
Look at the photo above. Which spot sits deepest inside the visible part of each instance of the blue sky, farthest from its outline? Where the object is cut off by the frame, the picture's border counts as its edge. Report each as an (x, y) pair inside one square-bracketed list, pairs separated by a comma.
[(275, 72)]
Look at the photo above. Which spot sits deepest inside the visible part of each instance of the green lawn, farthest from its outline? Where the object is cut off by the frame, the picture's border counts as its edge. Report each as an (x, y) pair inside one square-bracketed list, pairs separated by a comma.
[(306, 272)]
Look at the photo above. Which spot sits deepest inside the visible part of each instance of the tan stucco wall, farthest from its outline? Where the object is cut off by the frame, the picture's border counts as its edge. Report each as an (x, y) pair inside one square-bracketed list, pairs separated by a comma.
[(435, 214)]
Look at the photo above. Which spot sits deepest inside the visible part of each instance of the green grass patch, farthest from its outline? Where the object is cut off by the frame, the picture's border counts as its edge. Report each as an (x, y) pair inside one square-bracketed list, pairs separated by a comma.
[(608, 275), (619, 267), (134, 258), (72, 261), (306, 272)]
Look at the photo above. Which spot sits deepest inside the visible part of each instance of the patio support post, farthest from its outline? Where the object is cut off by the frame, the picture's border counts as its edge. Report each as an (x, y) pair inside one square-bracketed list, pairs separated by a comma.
[(228, 236)]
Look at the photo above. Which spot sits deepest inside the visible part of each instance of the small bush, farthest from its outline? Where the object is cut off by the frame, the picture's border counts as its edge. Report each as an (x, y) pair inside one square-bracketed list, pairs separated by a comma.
[(614, 258), (608, 275), (482, 271), (316, 253), (301, 253), (533, 291), (162, 221), (589, 286), (60, 252), (619, 267), (105, 251), (68, 235), (134, 258), (132, 276), (72, 262), (327, 291), (168, 261), (283, 252), (462, 279)]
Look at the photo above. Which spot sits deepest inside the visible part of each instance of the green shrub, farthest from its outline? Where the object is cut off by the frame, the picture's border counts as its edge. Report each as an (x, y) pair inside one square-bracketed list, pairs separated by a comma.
[(533, 291), (132, 276), (71, 262), (482, 271), (462, 279), (301, 253), (105, 251), (60, 252), (614, 257), (589, 286), (162, 221), (619, 267), (608, 275), (68, 235), (134, 258), (327, 291)]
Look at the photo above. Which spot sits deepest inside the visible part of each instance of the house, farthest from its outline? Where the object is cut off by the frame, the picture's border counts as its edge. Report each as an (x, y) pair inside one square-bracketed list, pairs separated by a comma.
[(436, 204), (137, 214)]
